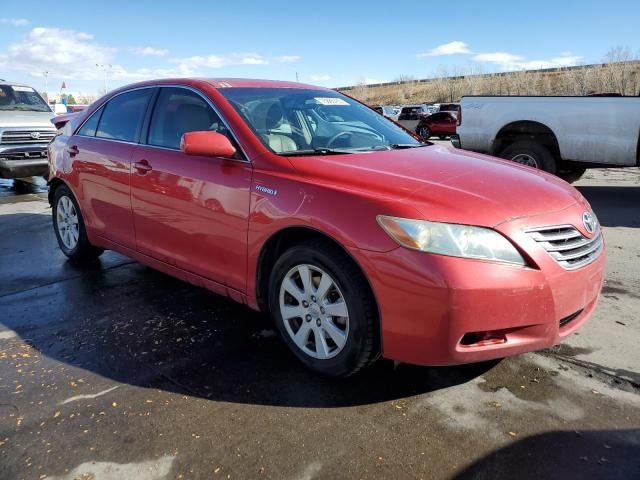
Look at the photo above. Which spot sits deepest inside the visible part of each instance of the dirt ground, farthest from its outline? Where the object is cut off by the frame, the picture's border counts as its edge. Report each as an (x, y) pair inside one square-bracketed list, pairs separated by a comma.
[(118, 371)]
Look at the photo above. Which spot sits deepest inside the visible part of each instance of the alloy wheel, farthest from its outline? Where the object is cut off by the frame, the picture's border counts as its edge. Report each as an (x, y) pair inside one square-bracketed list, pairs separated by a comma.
[(67, 222), (314, 311)]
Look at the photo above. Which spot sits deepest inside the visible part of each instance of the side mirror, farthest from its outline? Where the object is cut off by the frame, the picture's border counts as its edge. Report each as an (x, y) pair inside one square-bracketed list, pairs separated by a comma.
[(207, 144)]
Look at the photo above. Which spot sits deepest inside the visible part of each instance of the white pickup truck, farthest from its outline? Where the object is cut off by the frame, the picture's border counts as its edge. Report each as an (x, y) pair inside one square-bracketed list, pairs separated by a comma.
[(562, 135)]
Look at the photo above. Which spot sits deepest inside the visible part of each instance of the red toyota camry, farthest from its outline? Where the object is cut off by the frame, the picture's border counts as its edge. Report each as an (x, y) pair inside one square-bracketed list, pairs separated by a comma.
[(359, 240)]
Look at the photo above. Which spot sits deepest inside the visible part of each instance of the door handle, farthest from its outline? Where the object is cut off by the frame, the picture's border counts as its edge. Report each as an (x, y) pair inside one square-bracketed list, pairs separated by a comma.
[(73, 150), (142, 167)]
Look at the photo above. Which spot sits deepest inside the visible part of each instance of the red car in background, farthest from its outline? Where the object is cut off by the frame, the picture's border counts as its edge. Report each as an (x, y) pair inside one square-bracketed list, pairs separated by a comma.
[(440, 124), (357, 239)]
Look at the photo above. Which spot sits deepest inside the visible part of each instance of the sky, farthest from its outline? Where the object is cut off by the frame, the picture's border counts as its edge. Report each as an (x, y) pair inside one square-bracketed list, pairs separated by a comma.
[(329, 43)]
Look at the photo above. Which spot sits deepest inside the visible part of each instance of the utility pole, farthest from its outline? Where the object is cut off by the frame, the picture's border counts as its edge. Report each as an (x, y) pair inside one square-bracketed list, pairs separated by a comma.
[(46, 84), (104, 67)]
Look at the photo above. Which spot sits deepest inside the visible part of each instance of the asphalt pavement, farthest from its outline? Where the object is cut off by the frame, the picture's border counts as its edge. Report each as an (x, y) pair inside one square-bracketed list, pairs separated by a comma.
[(117, 371)]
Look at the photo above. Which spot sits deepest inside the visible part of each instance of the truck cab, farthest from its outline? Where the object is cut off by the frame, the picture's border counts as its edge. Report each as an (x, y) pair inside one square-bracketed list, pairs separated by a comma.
[(25, 131)]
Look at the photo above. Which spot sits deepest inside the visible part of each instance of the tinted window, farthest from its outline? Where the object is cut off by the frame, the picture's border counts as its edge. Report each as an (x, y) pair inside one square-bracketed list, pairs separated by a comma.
[(122, 116), (90, 126), (178, 111)]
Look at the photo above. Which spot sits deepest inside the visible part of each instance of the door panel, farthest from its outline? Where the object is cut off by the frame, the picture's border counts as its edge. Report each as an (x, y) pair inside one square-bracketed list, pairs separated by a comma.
[(192, 212), (103, 169)]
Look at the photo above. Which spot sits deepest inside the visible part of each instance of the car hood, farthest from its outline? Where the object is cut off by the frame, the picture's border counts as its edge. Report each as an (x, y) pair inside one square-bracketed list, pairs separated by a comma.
[(445, 184), (22, 119)]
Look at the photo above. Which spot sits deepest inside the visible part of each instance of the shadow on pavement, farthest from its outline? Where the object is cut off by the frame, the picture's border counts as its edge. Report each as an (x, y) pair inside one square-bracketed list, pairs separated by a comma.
[(124, 321), (562, 455), (614, 206)]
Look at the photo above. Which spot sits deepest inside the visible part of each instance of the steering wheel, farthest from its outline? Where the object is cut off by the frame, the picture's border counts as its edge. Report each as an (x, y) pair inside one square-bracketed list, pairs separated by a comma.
[(337, 136)]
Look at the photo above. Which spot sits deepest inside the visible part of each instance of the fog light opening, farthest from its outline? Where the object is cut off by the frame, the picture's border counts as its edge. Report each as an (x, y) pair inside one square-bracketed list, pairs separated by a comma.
[(483, 339)]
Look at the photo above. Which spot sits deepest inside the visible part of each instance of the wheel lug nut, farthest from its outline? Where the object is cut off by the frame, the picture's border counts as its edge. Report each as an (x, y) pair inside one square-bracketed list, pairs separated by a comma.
[(313, 299), (318, 322), (322, 310), (308, 318), (305, 304)]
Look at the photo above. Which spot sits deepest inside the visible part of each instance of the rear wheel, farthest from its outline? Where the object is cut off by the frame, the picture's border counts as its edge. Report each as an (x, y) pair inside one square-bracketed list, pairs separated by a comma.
[(424, 132), (69, 228), (530, 153), (442, 137), (323, 308)]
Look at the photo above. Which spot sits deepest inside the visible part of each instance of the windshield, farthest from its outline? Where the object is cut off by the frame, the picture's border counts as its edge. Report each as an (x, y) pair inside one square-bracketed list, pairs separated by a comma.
[(17, 97), (292, 121)]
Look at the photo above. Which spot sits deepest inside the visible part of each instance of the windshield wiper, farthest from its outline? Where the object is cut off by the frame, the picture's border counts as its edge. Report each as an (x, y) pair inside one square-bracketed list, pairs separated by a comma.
[(397, 146), (316, 151)]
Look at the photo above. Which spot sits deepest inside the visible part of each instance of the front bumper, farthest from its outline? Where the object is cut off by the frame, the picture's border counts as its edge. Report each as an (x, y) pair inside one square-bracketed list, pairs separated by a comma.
[(17, 161), (429, 303)]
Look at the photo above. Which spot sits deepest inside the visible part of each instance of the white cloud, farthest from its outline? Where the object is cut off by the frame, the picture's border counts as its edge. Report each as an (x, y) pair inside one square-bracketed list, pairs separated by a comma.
[(452, 48), (150, 51), (320, 78), (16, 22), (509, 61), (65, 53), (218, 61), (287, 58)]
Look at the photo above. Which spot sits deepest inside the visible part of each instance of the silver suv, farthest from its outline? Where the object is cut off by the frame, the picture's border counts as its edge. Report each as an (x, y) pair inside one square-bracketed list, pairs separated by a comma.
[(25, 131)]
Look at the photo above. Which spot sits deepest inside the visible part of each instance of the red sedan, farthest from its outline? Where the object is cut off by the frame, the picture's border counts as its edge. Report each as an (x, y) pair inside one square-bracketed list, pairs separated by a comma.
[(357, 239), (440, 124)]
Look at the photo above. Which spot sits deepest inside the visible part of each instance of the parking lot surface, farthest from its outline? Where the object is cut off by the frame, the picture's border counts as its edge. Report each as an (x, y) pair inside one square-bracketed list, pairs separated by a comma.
[(118, 371)]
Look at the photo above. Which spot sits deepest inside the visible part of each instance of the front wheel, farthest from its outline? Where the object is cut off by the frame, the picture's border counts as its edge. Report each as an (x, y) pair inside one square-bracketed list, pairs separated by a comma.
[(69, 228), (323, 308)]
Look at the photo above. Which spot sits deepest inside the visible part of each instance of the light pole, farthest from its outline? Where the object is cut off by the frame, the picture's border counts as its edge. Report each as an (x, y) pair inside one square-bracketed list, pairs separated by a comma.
[(104, 67), (46, 84)]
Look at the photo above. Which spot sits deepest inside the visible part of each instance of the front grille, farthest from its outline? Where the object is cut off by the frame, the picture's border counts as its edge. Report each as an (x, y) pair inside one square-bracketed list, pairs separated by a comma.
[(568, 246), (567, 320), (19, 155), (10, 137)]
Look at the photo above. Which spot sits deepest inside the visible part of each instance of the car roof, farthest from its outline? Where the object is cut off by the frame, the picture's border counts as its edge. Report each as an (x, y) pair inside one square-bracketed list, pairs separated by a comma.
[(222, 83), (17, 84)]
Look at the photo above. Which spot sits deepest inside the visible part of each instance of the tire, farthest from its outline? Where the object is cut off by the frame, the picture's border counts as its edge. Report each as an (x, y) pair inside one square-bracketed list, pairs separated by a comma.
[(68, 225), (531, 153), (442, 137), (423, 132), (571, 175), (357, 334)]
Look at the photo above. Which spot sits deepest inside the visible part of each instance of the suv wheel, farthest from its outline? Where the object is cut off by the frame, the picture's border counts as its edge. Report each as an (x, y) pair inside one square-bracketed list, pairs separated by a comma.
[(68, 225), (322, 307)]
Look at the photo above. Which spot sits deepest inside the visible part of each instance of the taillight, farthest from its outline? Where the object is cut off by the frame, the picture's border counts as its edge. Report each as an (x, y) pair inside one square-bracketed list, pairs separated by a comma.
[(459, 115)]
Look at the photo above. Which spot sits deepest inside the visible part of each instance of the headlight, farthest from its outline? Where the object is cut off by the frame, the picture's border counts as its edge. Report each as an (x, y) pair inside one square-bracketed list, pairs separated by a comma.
[(451, 239)]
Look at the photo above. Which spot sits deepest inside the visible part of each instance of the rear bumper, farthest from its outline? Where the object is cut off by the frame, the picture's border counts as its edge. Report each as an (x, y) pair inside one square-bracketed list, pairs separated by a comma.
[(17, 161)]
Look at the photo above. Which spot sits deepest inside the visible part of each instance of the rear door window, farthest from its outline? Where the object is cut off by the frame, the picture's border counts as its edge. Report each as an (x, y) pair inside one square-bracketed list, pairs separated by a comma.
[(123, 115)]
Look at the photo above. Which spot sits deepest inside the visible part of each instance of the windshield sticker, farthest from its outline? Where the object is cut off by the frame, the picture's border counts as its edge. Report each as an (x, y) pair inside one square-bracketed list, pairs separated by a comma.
[(330, 101), (18, 88)]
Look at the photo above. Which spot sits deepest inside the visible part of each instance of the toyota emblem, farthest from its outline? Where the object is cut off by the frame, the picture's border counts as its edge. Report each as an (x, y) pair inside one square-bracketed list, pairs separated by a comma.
[(35, 135), (589, 221)]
